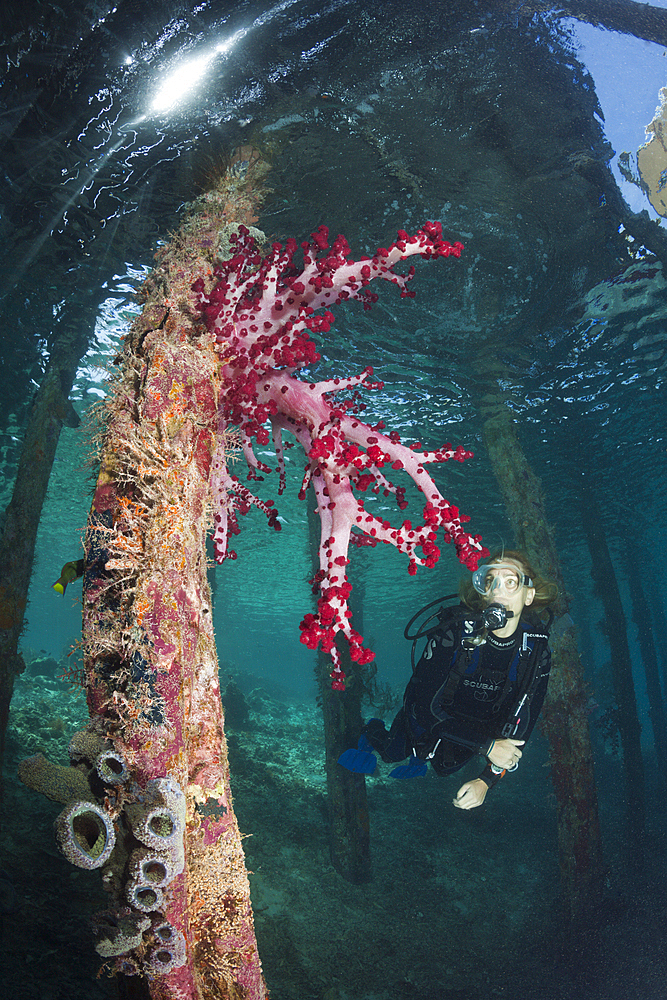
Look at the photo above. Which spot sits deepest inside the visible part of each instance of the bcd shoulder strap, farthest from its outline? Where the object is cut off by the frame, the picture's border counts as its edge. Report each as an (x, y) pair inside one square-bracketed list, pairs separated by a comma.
[(463, 657)]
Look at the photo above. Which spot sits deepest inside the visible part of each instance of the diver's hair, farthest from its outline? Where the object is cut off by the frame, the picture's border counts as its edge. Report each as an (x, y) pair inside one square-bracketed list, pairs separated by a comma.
[(546, 591)]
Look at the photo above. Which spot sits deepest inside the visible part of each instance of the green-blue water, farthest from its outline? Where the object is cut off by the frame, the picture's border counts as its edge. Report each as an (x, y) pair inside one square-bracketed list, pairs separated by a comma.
[(375, 118)]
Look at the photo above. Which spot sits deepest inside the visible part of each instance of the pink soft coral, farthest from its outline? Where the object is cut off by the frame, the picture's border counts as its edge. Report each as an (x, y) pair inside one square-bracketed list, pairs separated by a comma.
[(262, 311)]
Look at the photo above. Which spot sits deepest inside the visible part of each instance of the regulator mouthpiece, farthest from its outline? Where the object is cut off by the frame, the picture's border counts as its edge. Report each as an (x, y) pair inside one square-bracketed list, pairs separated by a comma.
[(492, 618), (495, 616)]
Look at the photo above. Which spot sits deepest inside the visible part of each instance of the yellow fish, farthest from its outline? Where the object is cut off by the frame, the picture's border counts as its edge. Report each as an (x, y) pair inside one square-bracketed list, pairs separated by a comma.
[(71, 571)]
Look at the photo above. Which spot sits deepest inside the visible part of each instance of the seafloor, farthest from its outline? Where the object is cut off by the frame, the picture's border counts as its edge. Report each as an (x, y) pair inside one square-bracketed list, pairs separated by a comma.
[(461, 906)]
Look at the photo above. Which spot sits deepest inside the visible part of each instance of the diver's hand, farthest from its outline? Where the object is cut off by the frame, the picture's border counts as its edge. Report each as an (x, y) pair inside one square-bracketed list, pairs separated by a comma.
[(505, 753), (471, 795)]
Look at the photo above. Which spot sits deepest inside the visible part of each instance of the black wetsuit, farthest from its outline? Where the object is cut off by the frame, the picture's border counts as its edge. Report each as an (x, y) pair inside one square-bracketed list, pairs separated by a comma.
[(460, 698)]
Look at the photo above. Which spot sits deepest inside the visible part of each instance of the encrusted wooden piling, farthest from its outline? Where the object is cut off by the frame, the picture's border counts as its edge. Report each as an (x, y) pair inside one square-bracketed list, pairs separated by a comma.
[(564, 716), (177, 878)]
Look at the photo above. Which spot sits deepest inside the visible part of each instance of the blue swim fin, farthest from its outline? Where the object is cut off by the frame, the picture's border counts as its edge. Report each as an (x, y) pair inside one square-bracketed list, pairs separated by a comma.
[(361, 760), (415, 768)]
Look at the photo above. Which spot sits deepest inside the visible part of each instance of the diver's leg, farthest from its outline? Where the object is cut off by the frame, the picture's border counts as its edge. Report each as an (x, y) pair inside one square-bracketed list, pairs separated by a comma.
[(392, 744)]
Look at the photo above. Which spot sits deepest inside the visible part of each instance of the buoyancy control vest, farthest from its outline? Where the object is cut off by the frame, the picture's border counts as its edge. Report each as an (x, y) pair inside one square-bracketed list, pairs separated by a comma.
[(519, 681), (509, 692)]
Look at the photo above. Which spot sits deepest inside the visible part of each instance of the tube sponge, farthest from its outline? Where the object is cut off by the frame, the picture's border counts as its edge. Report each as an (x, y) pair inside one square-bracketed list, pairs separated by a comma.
[(118, 931), (58, 783), (111, 767), (85, 834), (156, 868), (169, 951), (147, 898), (86, 745), (158, 820)]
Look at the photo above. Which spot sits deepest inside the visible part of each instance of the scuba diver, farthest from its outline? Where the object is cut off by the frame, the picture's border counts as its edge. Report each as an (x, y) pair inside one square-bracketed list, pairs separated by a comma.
[(479, 685)]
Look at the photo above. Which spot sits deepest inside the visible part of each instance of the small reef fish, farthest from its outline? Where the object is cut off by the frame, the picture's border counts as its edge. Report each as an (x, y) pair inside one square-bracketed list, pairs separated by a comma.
[(71, 571)]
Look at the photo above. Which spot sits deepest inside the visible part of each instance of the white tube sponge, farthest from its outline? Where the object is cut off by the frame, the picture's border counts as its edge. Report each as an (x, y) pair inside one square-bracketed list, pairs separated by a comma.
[(156, 868), (85, 834), (146, 898), (111, 767), (168, 953), (158, 819)]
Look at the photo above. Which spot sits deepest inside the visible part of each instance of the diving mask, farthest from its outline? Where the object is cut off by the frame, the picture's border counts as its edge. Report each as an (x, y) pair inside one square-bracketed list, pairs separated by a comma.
[(492, 576)]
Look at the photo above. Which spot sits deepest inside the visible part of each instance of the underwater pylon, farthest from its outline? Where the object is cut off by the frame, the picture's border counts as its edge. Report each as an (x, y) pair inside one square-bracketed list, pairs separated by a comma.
[(180, 912)]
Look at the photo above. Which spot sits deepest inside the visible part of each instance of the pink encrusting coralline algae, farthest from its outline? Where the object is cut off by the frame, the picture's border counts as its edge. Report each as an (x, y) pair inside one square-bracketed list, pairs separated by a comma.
[(262, 311)]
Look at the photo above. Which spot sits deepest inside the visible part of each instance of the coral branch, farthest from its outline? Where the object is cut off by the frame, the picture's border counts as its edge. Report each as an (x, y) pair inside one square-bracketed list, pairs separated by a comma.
[(261, 311)]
